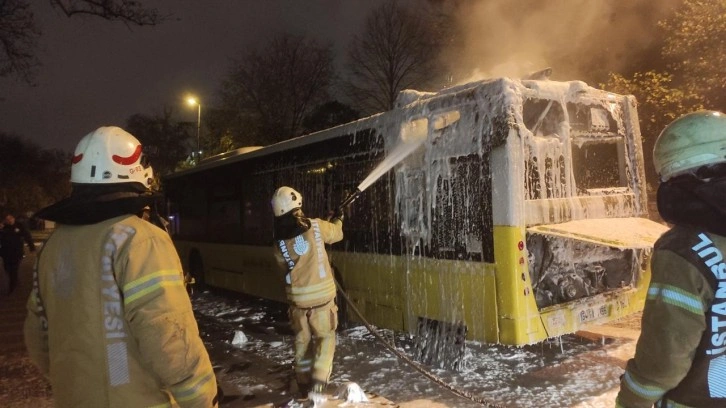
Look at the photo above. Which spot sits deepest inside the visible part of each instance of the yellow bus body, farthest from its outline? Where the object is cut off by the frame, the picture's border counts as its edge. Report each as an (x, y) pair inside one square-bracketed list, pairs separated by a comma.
[(497, 305)]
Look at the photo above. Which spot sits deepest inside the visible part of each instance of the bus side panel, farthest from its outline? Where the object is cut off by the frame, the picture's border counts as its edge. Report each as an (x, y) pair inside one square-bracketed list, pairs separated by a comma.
[(183, 249), (636, 151), (375, 284), (518, 317), (244, 268), (454, 292), (394, 292), (258, 275)]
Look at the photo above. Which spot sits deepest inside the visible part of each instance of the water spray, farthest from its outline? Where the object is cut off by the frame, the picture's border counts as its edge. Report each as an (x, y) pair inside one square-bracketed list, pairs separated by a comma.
[(413, 134)]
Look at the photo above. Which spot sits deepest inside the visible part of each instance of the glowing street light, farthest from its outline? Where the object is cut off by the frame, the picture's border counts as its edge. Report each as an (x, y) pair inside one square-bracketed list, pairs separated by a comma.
[(193, 101)]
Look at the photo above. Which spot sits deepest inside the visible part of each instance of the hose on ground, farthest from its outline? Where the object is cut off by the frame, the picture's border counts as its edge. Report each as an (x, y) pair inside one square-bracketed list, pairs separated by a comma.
[(418, 367)]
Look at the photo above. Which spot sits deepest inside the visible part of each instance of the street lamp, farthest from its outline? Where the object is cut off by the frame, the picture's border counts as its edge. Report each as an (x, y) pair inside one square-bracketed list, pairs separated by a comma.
[(193, 101)]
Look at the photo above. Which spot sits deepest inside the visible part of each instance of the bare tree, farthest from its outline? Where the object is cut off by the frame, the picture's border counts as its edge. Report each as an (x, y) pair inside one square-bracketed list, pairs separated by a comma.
[(165, 141), (19, 34), (397, 51), (32, 177), (127, 11), (278, 83), (18, 39)]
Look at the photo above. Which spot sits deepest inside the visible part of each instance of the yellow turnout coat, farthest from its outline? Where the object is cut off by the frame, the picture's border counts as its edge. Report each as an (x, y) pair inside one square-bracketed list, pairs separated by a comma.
[(110, 322)]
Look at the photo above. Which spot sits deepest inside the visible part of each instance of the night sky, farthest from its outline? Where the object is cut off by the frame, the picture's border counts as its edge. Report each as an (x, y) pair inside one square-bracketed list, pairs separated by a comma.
[(98, 73)]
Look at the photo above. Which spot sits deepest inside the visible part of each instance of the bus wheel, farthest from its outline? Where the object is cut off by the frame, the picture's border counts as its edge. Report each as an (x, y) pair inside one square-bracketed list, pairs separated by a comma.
[(196, 269)]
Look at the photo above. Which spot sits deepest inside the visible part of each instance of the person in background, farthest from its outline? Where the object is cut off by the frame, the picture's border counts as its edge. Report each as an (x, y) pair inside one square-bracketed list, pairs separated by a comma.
[(680, 357), (13, 238), (310, 286), (109, 321), (146, 213)]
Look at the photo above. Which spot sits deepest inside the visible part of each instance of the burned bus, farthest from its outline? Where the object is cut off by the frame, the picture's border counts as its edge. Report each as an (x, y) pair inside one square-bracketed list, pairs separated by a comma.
[(522, 215)]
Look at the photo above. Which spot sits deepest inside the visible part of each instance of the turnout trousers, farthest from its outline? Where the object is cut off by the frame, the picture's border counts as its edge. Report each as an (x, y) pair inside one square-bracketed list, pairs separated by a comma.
[(314, 341)]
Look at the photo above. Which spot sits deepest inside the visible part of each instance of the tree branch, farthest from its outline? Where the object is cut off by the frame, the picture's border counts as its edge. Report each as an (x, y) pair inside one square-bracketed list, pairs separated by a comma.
[(127, 11)]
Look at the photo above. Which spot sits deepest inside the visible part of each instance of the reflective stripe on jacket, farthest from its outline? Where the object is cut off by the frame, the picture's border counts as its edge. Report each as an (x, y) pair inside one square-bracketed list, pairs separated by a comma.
[(120, 331)]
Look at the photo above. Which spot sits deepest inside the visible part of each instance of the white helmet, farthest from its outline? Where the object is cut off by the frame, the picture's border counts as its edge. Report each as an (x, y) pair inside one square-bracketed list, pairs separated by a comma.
[(110, 155), (285, 200)]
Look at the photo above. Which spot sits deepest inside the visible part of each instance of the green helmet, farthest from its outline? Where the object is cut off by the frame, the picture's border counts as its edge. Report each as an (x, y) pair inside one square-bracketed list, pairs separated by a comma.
[(694, 140)]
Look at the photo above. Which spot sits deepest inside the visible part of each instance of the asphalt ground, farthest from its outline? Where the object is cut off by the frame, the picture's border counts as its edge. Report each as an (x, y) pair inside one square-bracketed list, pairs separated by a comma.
[(22, 385)]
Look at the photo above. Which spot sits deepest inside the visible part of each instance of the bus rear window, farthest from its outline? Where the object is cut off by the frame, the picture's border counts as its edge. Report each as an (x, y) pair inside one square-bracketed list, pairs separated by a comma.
[(597, 165)]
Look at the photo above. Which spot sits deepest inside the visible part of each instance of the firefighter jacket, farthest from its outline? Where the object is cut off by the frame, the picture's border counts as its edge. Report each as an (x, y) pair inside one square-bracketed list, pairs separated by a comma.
[(680, 357), (309, 280), (110, 322)]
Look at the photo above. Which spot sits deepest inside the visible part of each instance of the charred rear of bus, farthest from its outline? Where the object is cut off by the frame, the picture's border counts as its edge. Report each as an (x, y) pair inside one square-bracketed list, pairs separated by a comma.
[(583, 162), (567, 269)]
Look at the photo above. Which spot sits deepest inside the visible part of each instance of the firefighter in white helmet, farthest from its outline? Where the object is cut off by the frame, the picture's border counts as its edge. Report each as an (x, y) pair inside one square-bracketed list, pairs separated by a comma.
[(680, 357), (310, 286), (109, 321)]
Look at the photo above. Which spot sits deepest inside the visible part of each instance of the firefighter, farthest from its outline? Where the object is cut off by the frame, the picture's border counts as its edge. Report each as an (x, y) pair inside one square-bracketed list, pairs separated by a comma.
[(109, 321), (300, 251), (680, 357)]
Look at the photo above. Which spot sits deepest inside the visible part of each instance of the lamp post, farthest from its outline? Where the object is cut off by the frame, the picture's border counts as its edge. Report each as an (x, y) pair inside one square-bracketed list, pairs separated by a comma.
[(193, 101)]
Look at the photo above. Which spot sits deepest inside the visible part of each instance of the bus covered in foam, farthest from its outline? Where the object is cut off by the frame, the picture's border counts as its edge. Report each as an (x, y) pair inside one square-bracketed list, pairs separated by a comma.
[(521, 216)]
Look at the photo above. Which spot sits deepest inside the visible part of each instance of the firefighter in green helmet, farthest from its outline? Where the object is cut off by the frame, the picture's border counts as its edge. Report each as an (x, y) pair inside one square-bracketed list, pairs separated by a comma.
[(680, 357), (310, 286)]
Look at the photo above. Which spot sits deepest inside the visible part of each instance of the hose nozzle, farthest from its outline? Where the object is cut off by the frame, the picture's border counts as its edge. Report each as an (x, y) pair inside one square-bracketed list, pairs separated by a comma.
[(348, 200)]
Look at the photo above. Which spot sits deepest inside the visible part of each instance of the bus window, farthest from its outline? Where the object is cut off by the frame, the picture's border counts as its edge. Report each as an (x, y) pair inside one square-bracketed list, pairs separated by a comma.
[(590, 119), (545, 165), (597, 164), (461, 217), (545, 168), (598, 150), (412, 208), (543, 117), (192, 215), (224, 213), (533, 187), (256, 212), (369, 225)]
